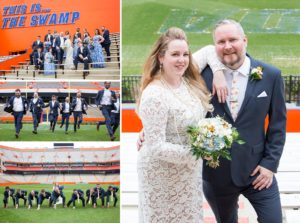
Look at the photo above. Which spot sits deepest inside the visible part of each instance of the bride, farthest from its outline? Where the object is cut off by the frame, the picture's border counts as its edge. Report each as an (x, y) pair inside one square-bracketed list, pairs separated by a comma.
[(174, 96)]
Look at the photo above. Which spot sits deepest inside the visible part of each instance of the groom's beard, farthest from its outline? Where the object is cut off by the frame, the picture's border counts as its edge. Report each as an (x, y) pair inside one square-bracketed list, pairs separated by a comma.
[(234, 61)]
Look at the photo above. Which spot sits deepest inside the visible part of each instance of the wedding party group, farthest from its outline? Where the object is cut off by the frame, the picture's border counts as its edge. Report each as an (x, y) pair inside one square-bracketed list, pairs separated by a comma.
[(61, 50), (204, 130), (57, 194), (107, 101)]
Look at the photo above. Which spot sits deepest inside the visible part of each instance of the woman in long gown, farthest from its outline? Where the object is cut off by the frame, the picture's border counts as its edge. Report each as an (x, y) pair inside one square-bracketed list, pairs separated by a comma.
[(69, 53), (49, 66), (96, 50), (174, 96)]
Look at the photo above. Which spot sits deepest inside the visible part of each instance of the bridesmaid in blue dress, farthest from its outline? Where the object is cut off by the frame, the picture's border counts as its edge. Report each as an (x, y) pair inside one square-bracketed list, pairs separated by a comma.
[(49, 66), (75, 46), (96, 50)]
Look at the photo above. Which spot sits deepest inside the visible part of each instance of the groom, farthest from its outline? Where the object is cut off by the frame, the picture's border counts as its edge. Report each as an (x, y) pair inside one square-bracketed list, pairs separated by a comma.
[(250, 101)]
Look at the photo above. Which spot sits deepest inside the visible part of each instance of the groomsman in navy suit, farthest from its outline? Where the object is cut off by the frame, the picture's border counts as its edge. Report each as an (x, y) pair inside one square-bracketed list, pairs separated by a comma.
[(36, 44), (42, 196), (112, 191), (33, 195), (39, 59), (8, 192), (48, 37), (79, 107), (104, 100), (19, 108), (83, 56), (65, 112), (21, 194), (115, 114), (53, 114), (56, 45), (106, 43), (251, 170), (76, 195), (36, 106)]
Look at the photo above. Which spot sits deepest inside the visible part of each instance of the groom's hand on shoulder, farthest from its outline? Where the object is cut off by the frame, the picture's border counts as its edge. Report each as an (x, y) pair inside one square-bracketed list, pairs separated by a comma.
[(140, 140), (264, 178)]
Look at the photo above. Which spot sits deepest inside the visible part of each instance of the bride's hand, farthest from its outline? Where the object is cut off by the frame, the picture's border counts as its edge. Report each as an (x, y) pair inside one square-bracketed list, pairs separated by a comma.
[(220, 86), (140, 140)]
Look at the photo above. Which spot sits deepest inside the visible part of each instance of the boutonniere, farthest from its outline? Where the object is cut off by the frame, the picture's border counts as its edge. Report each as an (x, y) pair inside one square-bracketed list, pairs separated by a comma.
[(256, 73)]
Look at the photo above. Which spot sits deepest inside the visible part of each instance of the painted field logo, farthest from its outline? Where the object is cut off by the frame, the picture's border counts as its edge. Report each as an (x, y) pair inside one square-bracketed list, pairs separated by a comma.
[(252, 20)]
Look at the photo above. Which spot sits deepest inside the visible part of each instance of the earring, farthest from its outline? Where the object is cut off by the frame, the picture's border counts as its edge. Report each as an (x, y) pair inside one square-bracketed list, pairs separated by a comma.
[(160, 67)]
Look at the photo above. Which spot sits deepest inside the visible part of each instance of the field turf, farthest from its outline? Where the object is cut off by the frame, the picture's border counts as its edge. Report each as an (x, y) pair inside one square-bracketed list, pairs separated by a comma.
[(85, 133)]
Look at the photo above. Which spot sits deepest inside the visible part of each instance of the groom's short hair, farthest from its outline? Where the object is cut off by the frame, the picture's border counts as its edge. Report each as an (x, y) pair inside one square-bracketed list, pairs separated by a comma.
[(229, 22)]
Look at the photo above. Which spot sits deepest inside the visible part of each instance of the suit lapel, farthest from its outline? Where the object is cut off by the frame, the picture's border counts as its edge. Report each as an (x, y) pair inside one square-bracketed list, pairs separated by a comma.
[(249, 89)]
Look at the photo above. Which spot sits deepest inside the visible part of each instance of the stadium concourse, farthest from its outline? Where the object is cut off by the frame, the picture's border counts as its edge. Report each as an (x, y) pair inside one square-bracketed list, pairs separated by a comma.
[(61, 163), (61, 89), (288, 175)]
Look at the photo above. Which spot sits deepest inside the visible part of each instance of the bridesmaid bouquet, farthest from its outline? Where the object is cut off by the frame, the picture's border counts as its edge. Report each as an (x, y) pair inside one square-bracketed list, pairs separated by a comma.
[(212, 138)]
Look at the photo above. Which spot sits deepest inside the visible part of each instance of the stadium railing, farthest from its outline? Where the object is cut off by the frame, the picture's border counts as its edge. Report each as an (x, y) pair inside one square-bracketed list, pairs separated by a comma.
[(131, 85)]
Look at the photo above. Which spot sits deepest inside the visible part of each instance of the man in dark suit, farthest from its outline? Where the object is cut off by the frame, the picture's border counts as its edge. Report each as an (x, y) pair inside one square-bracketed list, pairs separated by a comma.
[(56, 45), (112, 191), (8, 192), (33, 195), (65, 112), (56, 193), (83, 56), (76, 195), (100, 193), (36, 44), (39, 59), (115, 114), (79, 107), (106, 43), (19, 108), (53, 113), (48, 37), (42, 196), (91, 196), (104, 100), (36, 106), (21, 194), (251, 171)]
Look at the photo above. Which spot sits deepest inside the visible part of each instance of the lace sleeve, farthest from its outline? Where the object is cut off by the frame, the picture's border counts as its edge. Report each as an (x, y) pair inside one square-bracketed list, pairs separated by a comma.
[(154, 113), (207, 56)]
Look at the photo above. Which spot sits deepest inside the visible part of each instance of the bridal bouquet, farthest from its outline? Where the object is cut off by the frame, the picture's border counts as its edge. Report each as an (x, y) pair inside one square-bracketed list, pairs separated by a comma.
[(212, 138)]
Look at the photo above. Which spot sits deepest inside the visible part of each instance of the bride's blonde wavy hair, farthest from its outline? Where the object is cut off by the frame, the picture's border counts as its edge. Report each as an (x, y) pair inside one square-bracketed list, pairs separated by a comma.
[(192, 74)]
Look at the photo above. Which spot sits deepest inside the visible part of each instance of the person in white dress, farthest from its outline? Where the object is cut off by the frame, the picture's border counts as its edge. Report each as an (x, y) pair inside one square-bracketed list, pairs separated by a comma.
[(174, 96), (69, 53)]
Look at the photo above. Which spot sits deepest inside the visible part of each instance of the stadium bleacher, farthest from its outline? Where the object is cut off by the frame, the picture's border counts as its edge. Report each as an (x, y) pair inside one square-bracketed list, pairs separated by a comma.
[(48, 165), (24, 71)]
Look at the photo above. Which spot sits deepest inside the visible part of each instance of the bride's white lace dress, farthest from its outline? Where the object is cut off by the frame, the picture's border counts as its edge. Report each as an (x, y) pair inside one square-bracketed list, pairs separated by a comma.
[(170, 179), (170, 186)]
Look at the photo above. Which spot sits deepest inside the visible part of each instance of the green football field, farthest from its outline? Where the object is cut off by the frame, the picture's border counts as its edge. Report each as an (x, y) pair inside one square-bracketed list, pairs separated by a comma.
[(85, 133), (60, 214), (272, 28)]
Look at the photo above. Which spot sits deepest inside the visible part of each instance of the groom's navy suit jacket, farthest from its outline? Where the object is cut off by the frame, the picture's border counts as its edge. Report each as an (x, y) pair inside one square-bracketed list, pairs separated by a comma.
[(262, 146)]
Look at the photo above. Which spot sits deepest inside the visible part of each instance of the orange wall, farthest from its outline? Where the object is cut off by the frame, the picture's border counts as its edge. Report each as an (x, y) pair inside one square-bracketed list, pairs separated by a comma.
[(93, 14), (132, 123)]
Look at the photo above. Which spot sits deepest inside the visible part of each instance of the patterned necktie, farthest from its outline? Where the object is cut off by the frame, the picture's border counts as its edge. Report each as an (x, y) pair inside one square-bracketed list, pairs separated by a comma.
[(234, 93)]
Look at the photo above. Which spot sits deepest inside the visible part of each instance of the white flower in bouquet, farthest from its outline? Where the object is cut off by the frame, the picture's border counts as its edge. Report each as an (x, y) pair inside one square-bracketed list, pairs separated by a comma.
[(212, 138)]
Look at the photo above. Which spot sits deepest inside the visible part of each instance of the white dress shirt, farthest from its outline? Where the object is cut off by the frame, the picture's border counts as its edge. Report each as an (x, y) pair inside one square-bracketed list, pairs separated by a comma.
[(78, 105), (18, 105), (242, 80), (67, 108), (106, 99)]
